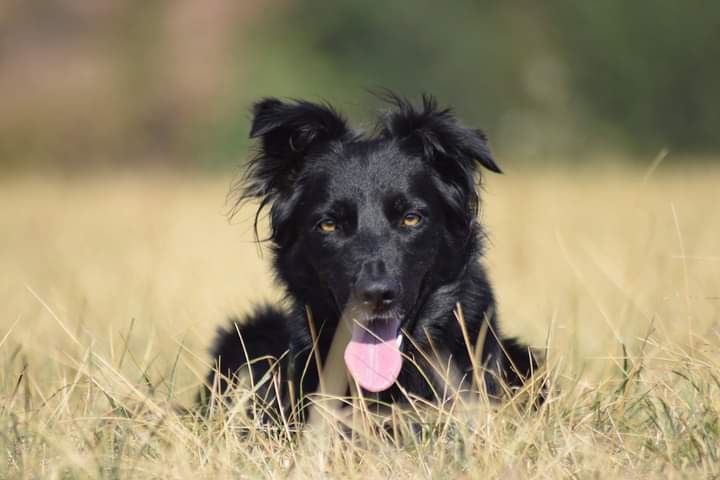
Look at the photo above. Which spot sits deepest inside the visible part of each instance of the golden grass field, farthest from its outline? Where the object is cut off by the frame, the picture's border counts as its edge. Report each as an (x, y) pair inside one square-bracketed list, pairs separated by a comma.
[(111, 288)]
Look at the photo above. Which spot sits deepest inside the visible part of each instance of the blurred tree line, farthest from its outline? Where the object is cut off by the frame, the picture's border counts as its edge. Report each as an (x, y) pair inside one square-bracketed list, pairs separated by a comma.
[(171, 81)]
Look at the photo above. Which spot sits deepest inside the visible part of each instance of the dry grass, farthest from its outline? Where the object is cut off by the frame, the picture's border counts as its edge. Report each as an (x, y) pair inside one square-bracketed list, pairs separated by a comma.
[(111, 289)]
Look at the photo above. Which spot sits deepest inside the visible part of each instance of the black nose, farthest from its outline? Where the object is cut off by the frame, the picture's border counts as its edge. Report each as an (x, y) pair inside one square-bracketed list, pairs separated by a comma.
[(375, 288), (378, 294)]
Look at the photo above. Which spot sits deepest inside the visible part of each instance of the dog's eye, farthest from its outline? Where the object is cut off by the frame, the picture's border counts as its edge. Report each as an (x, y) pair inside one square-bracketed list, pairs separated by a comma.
[(411, 220), (327, 226)]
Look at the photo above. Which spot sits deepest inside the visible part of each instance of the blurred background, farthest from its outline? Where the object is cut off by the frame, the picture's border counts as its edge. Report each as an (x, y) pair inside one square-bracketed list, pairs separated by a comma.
[(88, 84), (123, 123)]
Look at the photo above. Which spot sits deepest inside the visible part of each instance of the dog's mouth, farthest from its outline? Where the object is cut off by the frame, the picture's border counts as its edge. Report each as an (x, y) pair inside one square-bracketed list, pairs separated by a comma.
[(373, 355)]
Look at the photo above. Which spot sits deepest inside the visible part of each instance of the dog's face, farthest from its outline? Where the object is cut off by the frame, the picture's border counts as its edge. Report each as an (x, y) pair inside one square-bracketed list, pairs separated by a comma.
[(371, 223)]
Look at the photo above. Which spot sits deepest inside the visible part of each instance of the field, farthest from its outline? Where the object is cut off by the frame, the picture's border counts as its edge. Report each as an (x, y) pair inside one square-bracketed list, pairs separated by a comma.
[(111, 288)]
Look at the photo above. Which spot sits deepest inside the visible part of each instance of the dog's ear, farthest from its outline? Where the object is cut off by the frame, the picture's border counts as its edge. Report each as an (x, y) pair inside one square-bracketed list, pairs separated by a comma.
[(453, 150), (288, 131), (436, 132)]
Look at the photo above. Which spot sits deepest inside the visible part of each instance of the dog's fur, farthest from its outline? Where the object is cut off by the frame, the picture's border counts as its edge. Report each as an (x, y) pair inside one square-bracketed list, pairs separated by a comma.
[(311, 167)]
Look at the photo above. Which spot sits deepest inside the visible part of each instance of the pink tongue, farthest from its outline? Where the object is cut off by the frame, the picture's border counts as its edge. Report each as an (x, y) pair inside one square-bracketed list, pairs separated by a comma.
[(372, 356)]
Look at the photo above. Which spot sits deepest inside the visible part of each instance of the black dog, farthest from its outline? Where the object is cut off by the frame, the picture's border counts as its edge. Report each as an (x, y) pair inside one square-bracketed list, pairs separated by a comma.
[(381, 228)]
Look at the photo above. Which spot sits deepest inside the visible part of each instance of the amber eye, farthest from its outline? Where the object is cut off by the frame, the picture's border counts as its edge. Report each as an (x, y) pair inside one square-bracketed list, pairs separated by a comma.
[(327, 226), (411, 220)]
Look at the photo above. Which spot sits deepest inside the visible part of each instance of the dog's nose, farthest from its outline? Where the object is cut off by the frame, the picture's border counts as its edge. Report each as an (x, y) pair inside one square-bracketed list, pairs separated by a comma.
[(378, 294), (375, 288)]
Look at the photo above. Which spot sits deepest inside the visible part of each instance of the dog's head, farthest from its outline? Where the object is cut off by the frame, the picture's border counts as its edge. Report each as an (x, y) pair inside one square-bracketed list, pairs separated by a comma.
[(368, 224)]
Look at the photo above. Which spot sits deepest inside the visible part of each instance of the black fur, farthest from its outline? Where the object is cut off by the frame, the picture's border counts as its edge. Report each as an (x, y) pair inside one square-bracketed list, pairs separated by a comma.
[(312, 168)]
